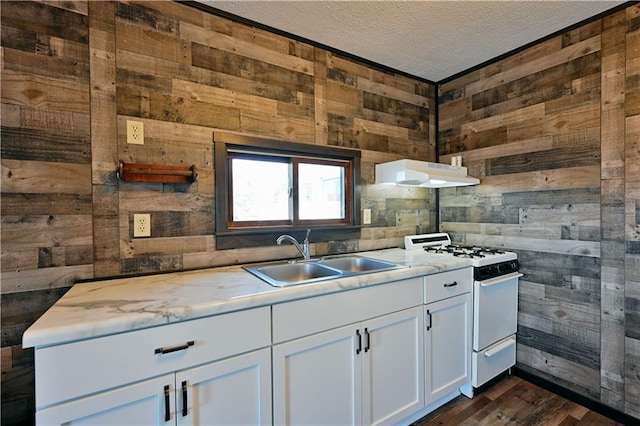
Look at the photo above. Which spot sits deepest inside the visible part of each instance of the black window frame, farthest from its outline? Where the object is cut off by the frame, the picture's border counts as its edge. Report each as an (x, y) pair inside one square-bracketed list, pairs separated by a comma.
[(228, 235)]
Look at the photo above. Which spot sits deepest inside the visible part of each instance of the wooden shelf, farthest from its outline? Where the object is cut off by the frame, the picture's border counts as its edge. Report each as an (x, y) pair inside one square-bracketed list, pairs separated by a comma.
[(156, 173)]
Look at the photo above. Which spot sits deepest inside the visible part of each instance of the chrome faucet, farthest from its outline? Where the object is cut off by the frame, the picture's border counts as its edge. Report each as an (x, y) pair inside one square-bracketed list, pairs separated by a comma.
[(303, 249)]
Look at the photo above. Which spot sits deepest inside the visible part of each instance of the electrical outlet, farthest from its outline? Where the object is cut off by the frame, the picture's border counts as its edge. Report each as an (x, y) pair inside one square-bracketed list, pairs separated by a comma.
[(135, 132), (366, 216), (142, 225)]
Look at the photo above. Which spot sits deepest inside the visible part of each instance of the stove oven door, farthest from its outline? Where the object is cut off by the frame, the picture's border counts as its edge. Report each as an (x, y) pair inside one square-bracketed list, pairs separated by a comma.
[(495, 309)]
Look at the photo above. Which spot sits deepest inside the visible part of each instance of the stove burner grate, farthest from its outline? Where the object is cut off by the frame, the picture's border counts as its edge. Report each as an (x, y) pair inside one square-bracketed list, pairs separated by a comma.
[(465, 251)]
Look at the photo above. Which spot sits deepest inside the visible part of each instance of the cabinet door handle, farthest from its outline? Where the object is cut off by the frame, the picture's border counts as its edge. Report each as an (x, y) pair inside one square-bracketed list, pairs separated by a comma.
[(453, 284), (430, 320), (368, 345), (185, 410), (359, 349), (167, 403), (174, 348)]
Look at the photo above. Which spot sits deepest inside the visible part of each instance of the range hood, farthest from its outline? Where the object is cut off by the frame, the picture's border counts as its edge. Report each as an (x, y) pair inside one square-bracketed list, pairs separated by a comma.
[(424, 174)]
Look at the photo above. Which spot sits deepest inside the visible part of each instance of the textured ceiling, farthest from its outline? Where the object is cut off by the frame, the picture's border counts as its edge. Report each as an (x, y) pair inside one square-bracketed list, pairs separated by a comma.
[(428, 39)]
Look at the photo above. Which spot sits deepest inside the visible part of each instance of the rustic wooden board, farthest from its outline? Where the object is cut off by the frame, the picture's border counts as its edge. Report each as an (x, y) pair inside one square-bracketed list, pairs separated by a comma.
[(574, 350), (632, 384), (536, 62), (632, 213), (612, 173), (49, 20), (246, 48), (44, 92), (572, 375)]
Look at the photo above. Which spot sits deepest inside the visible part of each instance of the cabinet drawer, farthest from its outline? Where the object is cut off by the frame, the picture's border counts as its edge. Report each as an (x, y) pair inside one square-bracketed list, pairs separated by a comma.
[(447, 284), (71, 370), (308, 316)]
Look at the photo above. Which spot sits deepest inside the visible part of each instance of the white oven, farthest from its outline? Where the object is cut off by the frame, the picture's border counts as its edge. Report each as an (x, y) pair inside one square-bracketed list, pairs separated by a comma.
[(495, 301), (495, 318)]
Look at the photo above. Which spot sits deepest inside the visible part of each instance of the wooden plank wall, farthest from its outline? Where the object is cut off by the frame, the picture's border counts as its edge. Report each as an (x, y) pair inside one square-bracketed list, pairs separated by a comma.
[(73, 72), (553, 134)]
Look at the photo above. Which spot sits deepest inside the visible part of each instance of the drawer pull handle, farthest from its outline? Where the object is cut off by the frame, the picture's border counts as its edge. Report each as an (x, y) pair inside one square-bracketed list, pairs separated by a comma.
[(368, 345), (499, 348), (359, 342), (453, 284), (174, 348), (167, 403), (185, 411)]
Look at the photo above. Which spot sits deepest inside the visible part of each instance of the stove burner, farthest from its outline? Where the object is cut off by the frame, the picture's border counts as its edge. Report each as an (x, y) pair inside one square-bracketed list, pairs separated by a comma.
[(470, 255), (439, 249), (453, 248)]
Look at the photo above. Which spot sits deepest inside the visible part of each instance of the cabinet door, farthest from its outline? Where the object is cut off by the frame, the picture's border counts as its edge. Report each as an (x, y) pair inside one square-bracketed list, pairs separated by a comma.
[(151, 402), (447, 346), (393, 366), (317, 379), (235, 391)]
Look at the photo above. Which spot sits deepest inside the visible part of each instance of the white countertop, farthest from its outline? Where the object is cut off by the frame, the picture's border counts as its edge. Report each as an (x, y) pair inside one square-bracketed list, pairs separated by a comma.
[(118, 305)]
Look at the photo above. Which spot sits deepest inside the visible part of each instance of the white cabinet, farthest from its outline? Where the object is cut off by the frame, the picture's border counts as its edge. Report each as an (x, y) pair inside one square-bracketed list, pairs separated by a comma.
[(448, 333), (148, 377), (393, 367), (236, 391), (317, 380), (138, 404), (367, 372)]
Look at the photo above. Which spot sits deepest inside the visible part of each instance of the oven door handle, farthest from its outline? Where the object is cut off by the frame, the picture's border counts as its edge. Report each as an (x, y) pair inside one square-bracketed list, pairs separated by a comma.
[(501, 278), (494, 350)]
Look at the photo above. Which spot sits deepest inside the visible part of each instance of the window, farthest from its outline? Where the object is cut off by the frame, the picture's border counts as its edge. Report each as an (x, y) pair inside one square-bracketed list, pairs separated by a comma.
[(265, 188)]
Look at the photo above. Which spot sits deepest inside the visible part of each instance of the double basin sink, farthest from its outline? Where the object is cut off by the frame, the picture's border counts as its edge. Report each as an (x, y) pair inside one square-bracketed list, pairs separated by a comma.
[(285, 273)]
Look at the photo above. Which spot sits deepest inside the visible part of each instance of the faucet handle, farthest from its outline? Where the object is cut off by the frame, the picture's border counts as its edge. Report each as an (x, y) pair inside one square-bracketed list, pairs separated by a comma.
[(306, 239)]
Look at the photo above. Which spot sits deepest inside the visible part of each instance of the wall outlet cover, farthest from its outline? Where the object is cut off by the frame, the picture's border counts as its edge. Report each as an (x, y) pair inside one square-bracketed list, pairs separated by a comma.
[(142, 225), (135, 132)]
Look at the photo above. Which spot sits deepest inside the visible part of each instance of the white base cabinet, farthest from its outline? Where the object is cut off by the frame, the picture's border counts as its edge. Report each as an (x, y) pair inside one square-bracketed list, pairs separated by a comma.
[(364, 373), (214, 370), (236, 391), (350, 358), (448, 316)]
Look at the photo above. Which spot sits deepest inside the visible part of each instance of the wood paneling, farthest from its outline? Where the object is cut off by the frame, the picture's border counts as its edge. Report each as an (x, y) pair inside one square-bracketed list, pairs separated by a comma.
[(74, 72), (552, 132), (47, 224)]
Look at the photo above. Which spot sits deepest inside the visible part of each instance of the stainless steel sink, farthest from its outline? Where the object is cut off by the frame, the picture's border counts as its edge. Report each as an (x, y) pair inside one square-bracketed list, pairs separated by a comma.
[(281, 274), (357, 264), (285, 273)]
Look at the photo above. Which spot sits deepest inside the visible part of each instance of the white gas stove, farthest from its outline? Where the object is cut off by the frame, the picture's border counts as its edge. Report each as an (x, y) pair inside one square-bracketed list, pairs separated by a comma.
[(441, 244), (495, 300)]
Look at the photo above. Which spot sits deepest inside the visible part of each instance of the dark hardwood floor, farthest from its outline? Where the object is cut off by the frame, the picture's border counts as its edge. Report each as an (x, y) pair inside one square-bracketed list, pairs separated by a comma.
[(513, 400)]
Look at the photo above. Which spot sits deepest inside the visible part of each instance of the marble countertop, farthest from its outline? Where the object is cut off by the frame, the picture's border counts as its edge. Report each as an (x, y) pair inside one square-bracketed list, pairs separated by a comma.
[(118, 305)]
